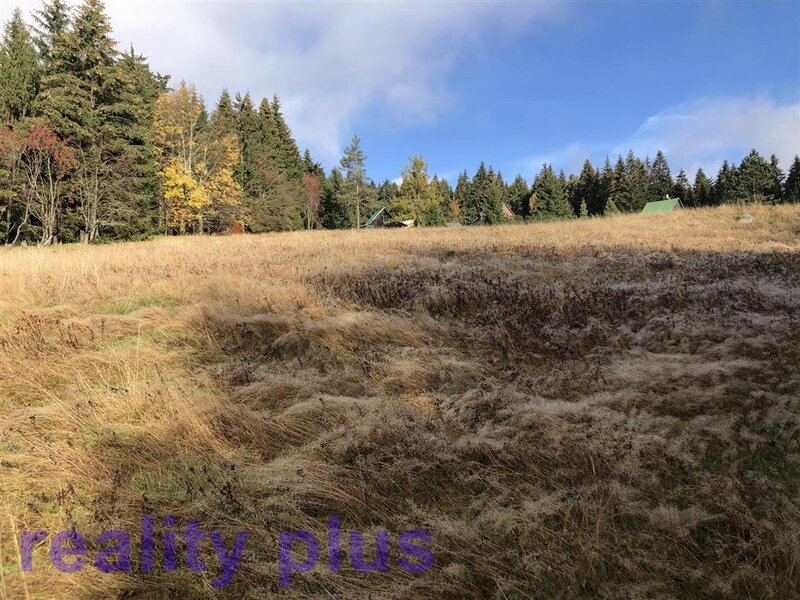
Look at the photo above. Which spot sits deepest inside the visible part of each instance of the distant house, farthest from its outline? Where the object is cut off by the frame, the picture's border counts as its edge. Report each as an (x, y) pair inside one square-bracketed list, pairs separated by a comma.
[(379, 218), (662, 206), (382, 218), (483, 220)]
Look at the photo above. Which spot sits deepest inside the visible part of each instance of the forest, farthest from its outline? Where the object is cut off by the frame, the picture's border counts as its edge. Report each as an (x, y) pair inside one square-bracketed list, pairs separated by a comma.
[(95, 146)]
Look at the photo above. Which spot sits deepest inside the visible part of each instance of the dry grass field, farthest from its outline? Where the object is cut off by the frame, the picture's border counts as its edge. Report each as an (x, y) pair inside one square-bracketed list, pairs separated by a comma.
[(602, 408)]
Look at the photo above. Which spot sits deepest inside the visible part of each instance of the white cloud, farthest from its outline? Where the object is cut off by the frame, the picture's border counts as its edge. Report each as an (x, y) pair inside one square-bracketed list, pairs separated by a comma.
[(701, 133), (329, 63)]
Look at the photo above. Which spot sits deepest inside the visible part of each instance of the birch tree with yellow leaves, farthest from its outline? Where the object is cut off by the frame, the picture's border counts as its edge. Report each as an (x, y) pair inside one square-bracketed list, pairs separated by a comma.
[(197, 167)]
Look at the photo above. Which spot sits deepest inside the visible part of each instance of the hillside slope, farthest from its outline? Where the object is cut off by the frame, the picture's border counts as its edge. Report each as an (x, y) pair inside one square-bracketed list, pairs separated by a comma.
[(601, 408)]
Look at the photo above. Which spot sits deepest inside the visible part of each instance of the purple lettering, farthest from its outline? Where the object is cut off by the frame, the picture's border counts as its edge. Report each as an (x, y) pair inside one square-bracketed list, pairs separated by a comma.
[(286, 564), (169, 545), (58, 551), (192, 536), (228, 561), (382, 552), (27, 541), (334, 553), (423, 554), (122, 551), (148, 544)]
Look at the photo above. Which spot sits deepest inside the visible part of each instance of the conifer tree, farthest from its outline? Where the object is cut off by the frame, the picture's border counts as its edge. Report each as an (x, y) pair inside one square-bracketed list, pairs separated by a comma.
[(353, 163), (620, 192), (461, 196), (604, 186), (444, 192), (386, 192), (683, 189), (756, 180), (583, 211), (253, 166), (777, 179), (51, 21), (418, 199), (587, 189), (611, 209), (791, 190), (84, 96), (518, 193), (703, 189), (660, 182), (19, 71), (637, 180), (335, 213), (484, 197), (551, 196), (133, 211), (725, 184), (223, 118), (287, 157)]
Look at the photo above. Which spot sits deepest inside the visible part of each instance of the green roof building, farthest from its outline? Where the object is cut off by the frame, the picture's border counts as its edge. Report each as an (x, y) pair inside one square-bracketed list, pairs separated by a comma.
[(662, 206)]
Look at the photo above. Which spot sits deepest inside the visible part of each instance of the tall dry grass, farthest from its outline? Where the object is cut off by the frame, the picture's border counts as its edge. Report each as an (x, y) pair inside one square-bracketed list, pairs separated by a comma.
[(603, 408)]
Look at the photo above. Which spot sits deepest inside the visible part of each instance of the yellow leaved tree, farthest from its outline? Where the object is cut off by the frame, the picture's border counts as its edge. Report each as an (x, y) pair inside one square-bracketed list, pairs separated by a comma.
[(196, 166)]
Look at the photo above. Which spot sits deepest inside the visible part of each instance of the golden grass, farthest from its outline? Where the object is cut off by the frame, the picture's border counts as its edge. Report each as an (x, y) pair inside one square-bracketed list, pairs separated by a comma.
[(599, 408)]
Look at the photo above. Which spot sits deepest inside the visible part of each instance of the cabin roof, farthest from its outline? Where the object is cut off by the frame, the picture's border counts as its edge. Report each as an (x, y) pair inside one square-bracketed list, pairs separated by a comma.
[(662, 206)]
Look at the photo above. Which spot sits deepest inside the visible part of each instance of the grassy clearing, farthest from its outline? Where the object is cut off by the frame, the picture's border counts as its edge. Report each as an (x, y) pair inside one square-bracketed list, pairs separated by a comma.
[(604, 408)]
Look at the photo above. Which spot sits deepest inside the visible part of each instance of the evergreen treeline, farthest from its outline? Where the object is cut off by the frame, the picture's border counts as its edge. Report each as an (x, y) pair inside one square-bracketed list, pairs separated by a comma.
[(95, 146)]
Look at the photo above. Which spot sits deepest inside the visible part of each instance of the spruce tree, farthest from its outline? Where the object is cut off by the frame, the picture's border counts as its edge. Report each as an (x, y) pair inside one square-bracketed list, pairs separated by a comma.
[(462, 196), (476, 193), (551, 195), (660, 182), (637, 179), (777, 179), (353, 164), (703, 189), (223, 118), (132, 212), (611, 209), (791, 189), (683, 189), (725, 184), (287, 157), (485, 197), (418, 199), (334, 211), (583, 211), (756, 180), (254, 164), (85, 97), (445, 194), (620, 192), (587, 191), (19, 71), (573, 193), (386, 191), (518, 193), (51, 21), (604, 186)]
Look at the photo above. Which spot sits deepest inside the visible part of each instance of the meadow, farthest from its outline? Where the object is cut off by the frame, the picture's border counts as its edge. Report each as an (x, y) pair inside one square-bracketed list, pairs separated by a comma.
[(599, 408)]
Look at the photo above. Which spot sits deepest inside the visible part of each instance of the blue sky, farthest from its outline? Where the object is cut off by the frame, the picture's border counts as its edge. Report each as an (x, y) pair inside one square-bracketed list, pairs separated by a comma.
[(591, 75), (512, 84)]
